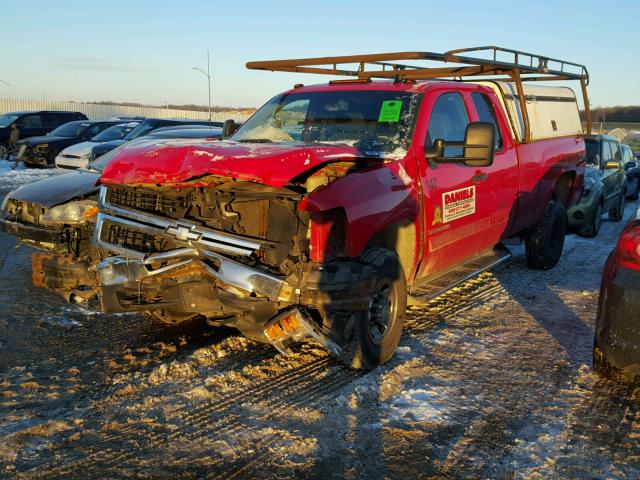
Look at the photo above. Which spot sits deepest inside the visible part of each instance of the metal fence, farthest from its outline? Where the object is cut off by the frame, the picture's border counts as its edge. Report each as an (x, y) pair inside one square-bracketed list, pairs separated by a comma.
[(104, 112)]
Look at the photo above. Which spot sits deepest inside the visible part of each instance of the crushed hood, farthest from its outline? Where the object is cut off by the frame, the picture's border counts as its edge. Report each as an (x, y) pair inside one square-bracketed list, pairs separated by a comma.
[(58, 189), (32, 141), (183, 160)]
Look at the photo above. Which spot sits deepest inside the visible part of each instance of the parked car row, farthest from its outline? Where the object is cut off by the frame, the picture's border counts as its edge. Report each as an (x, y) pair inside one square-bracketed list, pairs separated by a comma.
[(47, 138)]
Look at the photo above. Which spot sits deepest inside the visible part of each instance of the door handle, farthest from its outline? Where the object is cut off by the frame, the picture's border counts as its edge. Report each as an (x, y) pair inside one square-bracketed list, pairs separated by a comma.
[(479, 177)]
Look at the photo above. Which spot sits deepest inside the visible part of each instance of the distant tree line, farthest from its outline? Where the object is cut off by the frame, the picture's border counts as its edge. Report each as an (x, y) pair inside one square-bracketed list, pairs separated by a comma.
[(628, 114), (191, 108)]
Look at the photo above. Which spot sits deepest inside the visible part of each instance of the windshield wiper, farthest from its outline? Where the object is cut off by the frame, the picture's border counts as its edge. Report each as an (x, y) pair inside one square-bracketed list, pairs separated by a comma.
[(255, 140)]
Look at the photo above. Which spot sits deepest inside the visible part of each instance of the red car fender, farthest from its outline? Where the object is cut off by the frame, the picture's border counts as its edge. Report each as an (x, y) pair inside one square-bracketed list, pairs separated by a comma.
[(366, 203)]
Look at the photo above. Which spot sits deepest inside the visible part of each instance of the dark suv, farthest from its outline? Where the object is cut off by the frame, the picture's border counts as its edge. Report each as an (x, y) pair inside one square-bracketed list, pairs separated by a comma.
[(33, 123)]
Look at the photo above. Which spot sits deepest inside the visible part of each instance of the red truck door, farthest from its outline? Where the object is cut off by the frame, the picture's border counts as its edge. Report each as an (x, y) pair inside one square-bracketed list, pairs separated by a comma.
[(499, 181), (456, 202)]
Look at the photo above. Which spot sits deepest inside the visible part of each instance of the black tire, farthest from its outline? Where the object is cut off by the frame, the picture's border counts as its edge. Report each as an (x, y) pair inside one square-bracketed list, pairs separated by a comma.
[(4, 150), (377, 330), (593, 228), (603, 368), (544, 241), (617, 213), (171, 318)]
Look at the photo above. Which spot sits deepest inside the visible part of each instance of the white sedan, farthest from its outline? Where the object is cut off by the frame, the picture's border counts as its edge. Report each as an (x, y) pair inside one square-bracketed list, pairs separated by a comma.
[(77, 156)]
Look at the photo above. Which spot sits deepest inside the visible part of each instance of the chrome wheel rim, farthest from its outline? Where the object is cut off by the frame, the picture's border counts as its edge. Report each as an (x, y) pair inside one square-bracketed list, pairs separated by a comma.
[(382, 311)]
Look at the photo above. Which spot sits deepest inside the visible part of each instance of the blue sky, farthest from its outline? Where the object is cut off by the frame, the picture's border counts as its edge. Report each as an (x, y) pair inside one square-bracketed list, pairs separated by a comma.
[(144, 51)]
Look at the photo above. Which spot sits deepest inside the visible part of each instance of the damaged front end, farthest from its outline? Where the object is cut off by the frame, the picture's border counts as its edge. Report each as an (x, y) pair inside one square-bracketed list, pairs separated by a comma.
[(237, 253), (62, 235)]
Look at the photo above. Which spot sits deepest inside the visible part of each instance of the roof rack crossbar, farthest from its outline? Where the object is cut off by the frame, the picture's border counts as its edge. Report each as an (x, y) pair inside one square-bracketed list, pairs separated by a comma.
[(519, 66), (537, 64)]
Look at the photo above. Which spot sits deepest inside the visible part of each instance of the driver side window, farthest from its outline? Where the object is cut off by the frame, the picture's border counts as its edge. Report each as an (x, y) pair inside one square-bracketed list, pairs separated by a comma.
[(448, 122)]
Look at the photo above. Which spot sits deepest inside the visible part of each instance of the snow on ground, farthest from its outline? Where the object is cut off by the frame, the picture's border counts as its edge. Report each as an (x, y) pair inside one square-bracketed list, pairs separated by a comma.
[(13, 175), (491, 380)]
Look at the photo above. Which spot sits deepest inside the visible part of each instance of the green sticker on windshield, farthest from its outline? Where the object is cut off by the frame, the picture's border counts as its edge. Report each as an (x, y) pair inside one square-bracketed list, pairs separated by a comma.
[(390, 111)]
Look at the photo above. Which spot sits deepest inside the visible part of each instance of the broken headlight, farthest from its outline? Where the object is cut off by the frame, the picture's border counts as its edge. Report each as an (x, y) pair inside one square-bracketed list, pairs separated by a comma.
[(71, 213)]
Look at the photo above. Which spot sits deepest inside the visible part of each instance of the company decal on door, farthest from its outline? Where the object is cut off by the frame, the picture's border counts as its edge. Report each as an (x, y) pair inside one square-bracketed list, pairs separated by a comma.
[(458, 203)]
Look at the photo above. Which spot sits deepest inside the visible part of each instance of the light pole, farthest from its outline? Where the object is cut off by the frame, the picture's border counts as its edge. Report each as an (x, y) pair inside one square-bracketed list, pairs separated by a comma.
[(208, 75)]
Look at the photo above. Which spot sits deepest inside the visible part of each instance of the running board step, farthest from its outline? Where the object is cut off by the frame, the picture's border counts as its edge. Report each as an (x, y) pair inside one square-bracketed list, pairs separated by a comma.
[(438, 285)]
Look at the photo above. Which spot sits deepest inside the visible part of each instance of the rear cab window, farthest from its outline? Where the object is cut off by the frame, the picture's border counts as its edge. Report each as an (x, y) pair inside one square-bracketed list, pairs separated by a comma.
[(486, 113)]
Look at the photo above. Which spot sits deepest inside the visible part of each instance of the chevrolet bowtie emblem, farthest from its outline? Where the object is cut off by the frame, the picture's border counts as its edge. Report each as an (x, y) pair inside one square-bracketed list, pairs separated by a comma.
[(183, 232)]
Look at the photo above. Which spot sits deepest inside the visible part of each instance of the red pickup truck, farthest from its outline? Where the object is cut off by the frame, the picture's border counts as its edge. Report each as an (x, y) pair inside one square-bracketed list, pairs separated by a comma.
[(333, 202)]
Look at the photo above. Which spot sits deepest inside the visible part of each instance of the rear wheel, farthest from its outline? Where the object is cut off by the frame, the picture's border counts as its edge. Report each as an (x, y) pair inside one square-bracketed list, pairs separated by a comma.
[(593, 228), (544, 240), (378, 329), (617, 213)]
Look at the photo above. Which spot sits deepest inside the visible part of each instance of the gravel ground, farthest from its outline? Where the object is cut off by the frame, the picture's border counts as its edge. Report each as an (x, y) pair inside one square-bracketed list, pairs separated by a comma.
[(491, 380)]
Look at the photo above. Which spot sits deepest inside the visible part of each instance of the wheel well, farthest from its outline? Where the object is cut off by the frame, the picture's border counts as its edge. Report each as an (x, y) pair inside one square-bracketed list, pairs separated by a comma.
[(401, 238), (564, 187)]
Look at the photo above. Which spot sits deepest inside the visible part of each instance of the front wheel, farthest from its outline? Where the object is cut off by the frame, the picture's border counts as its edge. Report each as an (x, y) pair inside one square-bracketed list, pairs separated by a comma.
[(593, 228), (617, 213), (545, 239), (378, 329)]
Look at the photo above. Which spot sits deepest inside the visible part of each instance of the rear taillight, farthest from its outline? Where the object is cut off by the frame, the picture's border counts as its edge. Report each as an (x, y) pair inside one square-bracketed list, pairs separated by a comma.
[(629, 247)]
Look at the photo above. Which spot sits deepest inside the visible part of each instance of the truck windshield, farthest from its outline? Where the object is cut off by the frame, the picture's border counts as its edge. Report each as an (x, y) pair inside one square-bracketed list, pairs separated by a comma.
[(377, 122)]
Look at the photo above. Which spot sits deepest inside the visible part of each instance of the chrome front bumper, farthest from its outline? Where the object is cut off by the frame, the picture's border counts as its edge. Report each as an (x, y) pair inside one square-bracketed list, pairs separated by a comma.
[(127, 272), (195, 248)]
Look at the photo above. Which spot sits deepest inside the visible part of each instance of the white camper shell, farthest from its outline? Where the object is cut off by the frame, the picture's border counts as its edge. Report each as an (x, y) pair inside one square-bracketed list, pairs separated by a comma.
[(553, 111)]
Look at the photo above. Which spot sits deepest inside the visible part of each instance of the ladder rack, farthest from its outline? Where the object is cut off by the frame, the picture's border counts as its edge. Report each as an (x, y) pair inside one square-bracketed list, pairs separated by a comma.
[(517, 67)]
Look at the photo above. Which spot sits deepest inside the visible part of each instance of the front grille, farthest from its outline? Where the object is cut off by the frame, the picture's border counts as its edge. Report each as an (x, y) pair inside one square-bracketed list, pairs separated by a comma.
[(146, 200), (127, 237)]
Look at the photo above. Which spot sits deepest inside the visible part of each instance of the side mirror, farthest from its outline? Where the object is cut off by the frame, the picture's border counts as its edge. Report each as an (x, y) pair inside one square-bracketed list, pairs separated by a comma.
[(478, 147), (612, 165), (228, 128)]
